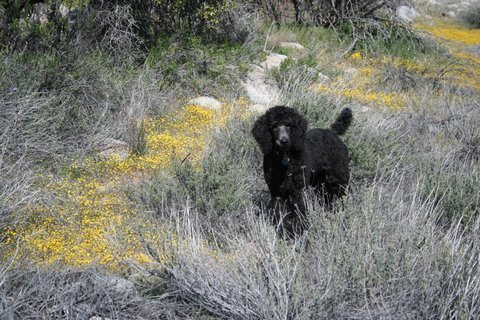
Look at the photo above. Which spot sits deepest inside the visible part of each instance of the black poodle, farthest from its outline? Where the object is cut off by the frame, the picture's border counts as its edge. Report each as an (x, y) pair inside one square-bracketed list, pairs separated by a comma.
[(295, 158)]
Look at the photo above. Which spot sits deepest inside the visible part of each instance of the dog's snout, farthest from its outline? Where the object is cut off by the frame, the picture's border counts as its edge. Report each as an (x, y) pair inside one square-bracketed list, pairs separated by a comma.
[(282, 136), (284, 140)]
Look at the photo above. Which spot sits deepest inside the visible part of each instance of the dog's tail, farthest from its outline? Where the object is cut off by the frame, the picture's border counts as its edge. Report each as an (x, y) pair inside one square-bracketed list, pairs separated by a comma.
[(343, 121)]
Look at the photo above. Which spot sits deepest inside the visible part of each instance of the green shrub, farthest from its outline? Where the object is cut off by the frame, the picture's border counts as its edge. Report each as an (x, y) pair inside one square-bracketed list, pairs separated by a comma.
[(455, 190), (221, 184), (385, 37), (472, 17), (210, 19), (86, 27), (193, 66), (323, 12), (367, 154)]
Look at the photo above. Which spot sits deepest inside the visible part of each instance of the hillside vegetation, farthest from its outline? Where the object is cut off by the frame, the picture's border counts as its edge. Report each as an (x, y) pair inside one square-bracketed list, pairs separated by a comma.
[(123, 198)]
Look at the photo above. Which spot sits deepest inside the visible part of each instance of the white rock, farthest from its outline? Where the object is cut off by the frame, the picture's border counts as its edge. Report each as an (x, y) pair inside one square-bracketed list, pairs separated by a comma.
[(206, 103), (63, 10), (120, 285), (257, 108), (274, 60), (406, 13), (465, 4), (452, 7), (450, 14), (40, 13), (114, 143), (260, 92), (292, 45), (257, 88), (323, 78), (350, 73), (114, 148)]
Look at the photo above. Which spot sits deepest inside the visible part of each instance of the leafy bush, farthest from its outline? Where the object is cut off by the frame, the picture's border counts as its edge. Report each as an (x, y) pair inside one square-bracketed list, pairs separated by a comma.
[(327, 12), (210, 19), (454, 189), (220, 185), (323, 12), (472, 17), (49, 110), (83, 29), (192, 66)]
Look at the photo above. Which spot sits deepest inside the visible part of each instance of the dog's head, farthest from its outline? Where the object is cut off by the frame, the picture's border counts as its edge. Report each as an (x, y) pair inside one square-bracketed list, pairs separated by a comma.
[(280, 129)]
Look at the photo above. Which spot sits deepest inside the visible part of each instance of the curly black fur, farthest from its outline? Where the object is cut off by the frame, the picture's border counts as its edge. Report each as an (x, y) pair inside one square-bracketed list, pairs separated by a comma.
[(295, 158)]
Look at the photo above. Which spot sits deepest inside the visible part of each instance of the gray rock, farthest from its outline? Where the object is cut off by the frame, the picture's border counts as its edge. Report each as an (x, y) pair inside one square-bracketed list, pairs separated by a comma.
[(63, 10), (323, 78), (292, 45), (40, 13), (114, 148), (119, 285), (406, 13), (257, 108), (206, 103), (451, 14), (274, 60), (258, 90), (350, 73)]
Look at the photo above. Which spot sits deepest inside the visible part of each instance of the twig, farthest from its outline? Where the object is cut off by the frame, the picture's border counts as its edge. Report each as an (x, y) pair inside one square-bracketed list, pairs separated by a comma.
[(184, 159)]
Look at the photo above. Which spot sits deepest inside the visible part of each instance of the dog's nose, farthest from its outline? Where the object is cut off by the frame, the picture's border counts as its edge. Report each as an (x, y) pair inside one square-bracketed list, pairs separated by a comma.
[(284, 140)]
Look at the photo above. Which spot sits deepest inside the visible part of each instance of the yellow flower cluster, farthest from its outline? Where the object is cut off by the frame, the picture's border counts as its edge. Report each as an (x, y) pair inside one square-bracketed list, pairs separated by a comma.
[(360, 86), (79, 227), (174, 137), (356, 56), (466, 70), (89, 218), (391, 100), (451, 31)]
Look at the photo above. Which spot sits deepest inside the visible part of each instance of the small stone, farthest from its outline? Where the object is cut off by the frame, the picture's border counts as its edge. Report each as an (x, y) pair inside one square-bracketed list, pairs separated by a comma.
[(350, 73), (206, 103), (323, 78), (406, 13), (450, 14), (257, 108), (292, 45), (274, 60), (114, 148), (63, 10), (40, 13)]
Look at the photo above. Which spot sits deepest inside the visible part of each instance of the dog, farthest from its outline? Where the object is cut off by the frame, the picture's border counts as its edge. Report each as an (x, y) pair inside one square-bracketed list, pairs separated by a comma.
[(294, 159)]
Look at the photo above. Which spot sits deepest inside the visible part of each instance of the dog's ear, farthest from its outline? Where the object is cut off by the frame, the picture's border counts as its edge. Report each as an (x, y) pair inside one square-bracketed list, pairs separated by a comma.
[(298, 131), (263, 136)]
